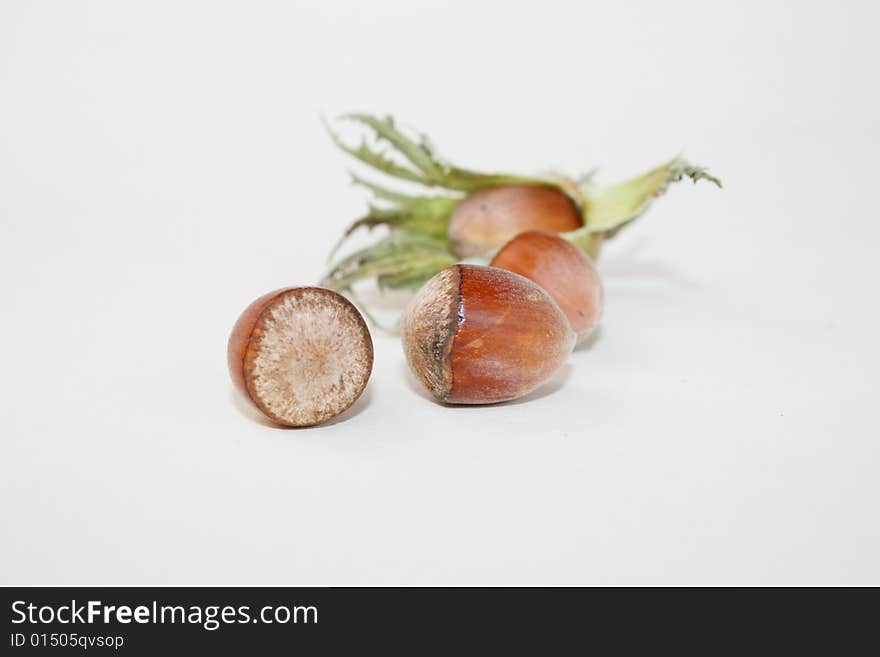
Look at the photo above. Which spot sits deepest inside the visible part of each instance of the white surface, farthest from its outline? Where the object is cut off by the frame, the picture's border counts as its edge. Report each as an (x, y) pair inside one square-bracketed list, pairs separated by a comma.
[(161, 164)]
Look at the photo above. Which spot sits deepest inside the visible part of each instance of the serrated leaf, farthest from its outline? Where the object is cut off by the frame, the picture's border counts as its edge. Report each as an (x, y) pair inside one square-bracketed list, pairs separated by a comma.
[(609, 208), (430, 170), (419, 154), (418, 215), (376, 159), (399, 260)]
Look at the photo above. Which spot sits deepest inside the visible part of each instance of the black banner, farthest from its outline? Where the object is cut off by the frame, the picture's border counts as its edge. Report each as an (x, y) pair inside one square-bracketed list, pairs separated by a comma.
[(149, 621)]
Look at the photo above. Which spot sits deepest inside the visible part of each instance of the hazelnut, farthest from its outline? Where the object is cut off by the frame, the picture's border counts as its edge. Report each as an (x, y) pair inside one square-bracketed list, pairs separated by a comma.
[(563, 270), (301, 355), (478, 335)]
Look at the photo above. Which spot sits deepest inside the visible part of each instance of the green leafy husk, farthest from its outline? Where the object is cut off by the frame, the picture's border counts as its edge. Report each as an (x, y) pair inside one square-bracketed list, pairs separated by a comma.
[(401, 260), (416, 246)]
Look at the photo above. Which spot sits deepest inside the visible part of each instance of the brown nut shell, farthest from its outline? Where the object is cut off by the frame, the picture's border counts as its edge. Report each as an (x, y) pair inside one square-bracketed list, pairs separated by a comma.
[(301, 355), (563, 270), (488, 218), (479, 335)]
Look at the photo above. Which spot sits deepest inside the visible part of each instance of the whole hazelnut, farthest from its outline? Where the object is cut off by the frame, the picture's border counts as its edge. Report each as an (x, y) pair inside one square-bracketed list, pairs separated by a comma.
[(479, 335), (561, 268), (486, 219)]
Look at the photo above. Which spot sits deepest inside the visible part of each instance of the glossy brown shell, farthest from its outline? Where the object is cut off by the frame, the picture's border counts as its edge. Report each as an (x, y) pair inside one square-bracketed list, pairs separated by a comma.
[(563, 270), (490, 217), (479, 335)]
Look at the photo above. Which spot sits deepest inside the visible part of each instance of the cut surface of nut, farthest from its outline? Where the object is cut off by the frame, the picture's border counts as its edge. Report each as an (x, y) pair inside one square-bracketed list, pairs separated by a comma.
[(307, 357)]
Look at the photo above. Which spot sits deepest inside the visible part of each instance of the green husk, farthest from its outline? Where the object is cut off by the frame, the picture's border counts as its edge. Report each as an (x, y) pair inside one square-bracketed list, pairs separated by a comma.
[(401, 260), (416, 247), (420, 215), (422, 164)]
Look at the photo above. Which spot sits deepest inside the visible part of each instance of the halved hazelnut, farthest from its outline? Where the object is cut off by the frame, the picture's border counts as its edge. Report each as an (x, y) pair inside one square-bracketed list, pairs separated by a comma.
[(301, 355)]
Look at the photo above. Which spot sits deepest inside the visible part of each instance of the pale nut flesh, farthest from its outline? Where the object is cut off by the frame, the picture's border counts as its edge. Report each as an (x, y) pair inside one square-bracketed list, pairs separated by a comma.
[(300, 355)]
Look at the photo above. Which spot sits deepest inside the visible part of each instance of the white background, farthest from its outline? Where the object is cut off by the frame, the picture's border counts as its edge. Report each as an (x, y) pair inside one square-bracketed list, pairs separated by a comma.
[(163, 163)]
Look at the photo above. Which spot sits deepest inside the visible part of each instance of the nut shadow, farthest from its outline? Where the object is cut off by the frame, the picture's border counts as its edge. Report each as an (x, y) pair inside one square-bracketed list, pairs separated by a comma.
[(555, 384), (629, 264), (590, 342)]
